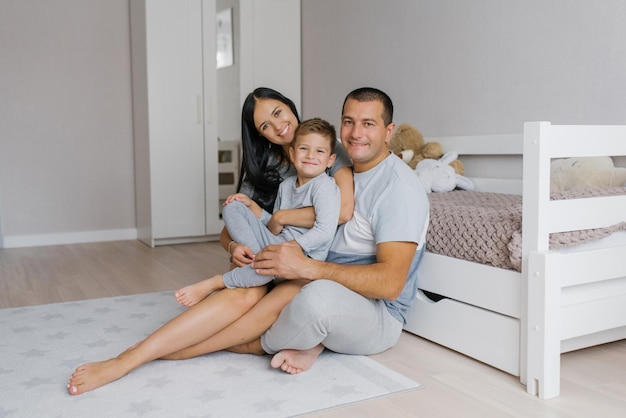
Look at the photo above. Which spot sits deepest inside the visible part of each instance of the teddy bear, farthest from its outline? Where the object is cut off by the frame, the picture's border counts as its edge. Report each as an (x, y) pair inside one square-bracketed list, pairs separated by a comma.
[(584, 173), (439, 176), (408, 143)]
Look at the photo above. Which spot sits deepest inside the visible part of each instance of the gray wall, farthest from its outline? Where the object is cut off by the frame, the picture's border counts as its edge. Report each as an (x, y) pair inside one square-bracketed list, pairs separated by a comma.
[(66, 150), (458, 67), (453, 67)]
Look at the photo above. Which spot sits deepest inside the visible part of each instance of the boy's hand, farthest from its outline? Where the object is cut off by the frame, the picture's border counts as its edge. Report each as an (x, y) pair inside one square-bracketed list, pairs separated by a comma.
[(249, 203), (275, 225)]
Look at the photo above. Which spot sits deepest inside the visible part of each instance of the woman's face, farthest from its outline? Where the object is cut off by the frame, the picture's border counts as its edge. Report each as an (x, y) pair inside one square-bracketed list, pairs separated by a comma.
[(275, 121)]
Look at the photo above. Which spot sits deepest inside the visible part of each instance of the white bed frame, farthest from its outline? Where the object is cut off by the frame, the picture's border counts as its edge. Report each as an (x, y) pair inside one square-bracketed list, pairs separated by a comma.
[(562, 301)]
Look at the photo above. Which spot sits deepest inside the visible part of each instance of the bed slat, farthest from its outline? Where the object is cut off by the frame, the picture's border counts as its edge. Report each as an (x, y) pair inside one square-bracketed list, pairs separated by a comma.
[(585, 267)]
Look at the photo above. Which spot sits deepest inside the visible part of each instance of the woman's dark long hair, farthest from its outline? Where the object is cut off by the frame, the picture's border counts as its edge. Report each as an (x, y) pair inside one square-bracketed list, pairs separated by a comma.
[(258, 168)]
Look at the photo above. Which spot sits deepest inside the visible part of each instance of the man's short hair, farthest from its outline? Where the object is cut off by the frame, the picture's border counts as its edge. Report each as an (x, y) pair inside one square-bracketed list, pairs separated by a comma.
[(370, 94)]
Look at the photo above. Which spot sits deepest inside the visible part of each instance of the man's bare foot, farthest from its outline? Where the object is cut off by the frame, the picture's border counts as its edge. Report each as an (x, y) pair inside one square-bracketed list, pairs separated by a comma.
[(296, 361), (192, 294)]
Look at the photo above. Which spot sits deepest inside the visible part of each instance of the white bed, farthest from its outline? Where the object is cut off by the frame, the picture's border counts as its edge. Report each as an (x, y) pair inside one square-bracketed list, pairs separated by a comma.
[(561, 300)]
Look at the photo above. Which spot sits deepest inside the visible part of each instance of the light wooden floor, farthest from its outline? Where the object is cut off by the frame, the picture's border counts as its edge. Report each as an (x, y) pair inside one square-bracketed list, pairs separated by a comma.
[(593, 381)]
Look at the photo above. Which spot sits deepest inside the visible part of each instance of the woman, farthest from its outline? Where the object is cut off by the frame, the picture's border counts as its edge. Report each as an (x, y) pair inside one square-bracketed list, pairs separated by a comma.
[(230, 318)]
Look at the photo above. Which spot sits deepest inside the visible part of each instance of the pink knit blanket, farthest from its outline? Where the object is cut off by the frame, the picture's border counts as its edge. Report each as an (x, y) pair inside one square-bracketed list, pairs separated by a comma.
[(487, 227)]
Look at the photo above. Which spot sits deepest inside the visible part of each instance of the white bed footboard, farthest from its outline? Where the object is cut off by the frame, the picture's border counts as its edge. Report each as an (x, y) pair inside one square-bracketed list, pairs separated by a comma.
[(597, 278), (562, 300)]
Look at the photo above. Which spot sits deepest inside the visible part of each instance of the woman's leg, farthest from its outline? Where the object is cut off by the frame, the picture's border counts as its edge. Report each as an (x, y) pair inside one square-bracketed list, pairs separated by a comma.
[(195, 325), (242, 336)]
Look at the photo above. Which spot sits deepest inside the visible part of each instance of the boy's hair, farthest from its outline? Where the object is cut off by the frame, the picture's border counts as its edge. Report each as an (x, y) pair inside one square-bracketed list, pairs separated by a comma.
[(370, 94), (317, 126)]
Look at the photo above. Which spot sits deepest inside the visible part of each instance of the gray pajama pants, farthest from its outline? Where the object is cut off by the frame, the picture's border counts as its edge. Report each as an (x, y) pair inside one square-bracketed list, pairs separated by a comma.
[(243, 226), (342, 320)]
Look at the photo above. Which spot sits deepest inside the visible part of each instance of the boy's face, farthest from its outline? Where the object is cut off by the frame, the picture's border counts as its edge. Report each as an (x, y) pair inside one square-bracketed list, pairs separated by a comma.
[(311, 156)]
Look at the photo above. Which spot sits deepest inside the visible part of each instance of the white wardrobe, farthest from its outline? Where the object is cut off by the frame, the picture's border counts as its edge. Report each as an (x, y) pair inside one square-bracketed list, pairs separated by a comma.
[(174, 71), (174, 108)]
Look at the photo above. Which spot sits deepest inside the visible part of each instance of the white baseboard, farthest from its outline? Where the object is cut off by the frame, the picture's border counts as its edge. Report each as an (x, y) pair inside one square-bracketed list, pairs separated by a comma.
[(68, 238)]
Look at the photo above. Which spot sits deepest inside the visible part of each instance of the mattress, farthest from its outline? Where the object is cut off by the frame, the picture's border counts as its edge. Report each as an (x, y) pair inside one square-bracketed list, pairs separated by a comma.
[(486, 227)]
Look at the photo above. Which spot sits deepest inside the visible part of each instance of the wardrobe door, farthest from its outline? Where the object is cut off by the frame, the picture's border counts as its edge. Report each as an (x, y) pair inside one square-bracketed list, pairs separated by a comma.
[(175, 90), (173, 79)]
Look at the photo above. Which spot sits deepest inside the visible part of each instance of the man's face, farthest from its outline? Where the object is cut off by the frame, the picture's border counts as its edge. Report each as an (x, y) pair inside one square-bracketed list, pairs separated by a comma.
[(364, 134)]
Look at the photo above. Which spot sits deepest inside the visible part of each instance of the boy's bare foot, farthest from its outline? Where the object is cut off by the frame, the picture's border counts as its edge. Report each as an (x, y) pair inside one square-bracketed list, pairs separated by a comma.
[(192, 294), (296, 361)]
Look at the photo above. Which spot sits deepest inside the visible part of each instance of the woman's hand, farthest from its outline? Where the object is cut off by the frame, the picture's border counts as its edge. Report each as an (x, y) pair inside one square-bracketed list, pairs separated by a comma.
[(241, 255)]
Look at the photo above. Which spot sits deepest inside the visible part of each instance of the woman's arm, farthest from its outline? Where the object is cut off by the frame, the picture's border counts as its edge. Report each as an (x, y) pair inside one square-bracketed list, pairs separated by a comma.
[(240, 254), (225, 238), (345, 181)]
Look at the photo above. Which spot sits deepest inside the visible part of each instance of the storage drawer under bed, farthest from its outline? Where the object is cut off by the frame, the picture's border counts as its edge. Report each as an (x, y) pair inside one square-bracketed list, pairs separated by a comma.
[(485, 335)]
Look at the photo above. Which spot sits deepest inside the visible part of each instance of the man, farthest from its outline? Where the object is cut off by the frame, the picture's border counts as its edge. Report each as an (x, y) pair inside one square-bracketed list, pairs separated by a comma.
[(357, 299)]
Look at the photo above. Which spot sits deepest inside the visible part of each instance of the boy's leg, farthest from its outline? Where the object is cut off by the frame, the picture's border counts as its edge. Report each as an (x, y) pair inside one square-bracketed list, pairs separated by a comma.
[(243, 226), (245, 276), (192, 294)]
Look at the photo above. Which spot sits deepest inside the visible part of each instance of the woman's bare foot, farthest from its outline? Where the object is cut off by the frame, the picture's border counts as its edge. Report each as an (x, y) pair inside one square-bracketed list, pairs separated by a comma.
[(296, 361), (93, 375), (192, 294)]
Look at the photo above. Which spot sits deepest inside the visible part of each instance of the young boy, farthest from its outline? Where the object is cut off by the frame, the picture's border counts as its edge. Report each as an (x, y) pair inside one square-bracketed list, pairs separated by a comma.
[(311, 153)]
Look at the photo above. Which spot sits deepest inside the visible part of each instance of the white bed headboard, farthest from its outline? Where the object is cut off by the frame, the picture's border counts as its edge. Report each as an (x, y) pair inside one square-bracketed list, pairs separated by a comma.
[(492, 162)]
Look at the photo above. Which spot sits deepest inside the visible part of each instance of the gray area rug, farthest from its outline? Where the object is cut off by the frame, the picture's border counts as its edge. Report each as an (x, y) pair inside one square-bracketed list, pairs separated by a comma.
[(41, 345)]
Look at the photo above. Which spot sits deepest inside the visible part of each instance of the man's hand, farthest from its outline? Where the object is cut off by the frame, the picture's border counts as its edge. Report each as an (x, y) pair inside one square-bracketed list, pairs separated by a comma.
[(284, 260)]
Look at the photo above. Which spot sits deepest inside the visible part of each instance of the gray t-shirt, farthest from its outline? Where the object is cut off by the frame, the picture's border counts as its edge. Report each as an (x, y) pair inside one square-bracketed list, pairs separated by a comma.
[(320, 192), (390, 205)]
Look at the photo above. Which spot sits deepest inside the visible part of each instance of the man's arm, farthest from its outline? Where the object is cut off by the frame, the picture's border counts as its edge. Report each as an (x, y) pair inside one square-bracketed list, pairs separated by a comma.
[(384, 279)]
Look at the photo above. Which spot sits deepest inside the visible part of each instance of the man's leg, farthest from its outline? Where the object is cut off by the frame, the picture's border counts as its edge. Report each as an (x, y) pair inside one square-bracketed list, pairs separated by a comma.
[(339, 319)]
